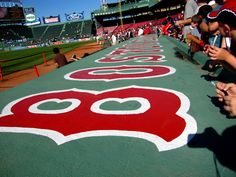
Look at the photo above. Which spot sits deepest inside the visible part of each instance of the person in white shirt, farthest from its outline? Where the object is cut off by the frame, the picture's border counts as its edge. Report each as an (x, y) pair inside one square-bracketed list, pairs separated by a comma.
[(140, 31), (113, 39)]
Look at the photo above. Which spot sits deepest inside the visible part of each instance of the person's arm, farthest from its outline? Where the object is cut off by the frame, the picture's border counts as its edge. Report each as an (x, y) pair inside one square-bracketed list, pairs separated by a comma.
[(195, 39), (55, 62), (213, 26), (192, 38), (183, 22), (204, 27)]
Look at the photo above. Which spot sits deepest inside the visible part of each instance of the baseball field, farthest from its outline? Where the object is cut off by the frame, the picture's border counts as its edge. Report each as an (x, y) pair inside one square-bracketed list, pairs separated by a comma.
[(12, 61), (19, 66)]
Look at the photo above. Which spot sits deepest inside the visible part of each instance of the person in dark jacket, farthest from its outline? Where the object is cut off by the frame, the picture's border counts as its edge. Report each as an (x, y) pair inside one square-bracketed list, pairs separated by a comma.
[(59, 58)]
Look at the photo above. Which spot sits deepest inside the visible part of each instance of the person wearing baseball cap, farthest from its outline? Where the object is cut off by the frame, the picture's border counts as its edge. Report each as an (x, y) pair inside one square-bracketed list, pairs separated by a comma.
[(226, 17), (226, 14)]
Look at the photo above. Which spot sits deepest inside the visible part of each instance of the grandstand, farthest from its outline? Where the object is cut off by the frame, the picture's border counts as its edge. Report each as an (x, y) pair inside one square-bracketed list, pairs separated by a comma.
[(12, 35), (71, 29), (52, 32), (15, 32), (38, 31), (135, 11), (108, 18), (22, 32)]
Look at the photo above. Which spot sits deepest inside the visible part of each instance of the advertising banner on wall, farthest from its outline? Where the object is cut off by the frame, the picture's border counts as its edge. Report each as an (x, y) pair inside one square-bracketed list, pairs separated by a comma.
[(74, 16), (30, 17), (51, 19)]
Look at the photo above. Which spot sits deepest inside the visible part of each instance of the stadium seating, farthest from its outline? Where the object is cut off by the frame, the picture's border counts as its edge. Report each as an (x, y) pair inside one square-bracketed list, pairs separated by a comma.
[(71, 29), (86, 28), (53, 31), (38, 31), (113, 8), (15, 32), (107, 30)]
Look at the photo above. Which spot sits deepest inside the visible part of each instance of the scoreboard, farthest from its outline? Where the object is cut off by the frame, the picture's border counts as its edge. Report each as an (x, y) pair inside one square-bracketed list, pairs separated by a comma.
[(12, 14)]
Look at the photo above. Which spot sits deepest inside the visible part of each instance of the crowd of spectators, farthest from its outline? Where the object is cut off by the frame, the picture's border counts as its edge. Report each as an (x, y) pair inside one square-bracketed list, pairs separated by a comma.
[(123, 34), (209, 26), (205, 25)]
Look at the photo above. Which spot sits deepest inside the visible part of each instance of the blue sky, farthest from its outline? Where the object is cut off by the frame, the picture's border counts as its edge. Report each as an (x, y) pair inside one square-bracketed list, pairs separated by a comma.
[(60, 7)]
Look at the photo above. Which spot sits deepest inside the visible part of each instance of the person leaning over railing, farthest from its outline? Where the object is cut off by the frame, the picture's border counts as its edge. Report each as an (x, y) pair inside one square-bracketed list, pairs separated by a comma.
[(226, 17), (190, 10), (194, 35)]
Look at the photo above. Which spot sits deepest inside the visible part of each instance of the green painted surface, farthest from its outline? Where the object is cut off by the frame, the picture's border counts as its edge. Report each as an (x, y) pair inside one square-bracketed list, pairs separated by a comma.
[(27, 155)]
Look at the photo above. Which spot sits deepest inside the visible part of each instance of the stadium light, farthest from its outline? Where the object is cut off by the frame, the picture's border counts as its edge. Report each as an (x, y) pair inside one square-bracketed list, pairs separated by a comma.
[(103, 2), (121, 17)]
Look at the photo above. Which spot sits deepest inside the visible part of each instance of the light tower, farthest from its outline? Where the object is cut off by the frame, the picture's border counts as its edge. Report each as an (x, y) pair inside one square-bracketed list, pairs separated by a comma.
[(103, 3), (121, 16)]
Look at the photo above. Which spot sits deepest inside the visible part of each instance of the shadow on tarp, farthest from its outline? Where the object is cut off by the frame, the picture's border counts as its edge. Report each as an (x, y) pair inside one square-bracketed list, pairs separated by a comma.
[(223, 75), (219, 104), (223, 146)]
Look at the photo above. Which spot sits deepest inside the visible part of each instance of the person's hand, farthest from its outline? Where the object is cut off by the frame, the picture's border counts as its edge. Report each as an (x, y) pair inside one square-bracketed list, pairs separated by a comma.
[(223, 89), (230, 105), (216, 53), (206, 49)]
